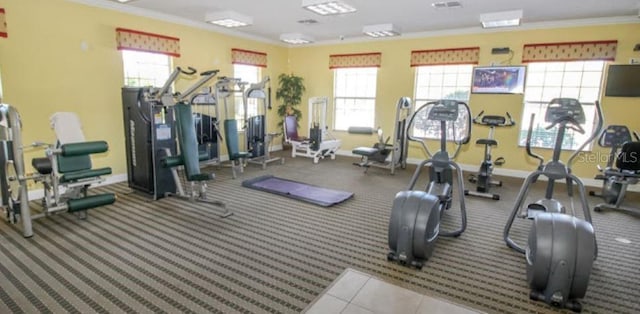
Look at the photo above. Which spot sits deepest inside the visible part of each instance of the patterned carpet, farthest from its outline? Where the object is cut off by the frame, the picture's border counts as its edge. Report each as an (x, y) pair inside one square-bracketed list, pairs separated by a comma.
[(277, 254)]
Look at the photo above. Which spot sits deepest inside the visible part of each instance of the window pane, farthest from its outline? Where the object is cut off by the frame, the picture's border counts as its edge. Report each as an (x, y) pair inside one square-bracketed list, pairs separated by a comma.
[(249, 74), (145, 68), (355, 93), (548, 80), (440, 82)]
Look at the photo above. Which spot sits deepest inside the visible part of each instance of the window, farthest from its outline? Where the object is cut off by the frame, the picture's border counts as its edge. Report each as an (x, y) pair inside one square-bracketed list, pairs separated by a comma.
[(145, 68), (547, 80), (251, 75), (355, 97), (436, 82)]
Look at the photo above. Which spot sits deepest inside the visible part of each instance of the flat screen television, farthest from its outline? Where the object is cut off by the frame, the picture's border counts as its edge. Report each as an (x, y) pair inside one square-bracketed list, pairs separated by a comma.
[(623, 80), (498, 80)]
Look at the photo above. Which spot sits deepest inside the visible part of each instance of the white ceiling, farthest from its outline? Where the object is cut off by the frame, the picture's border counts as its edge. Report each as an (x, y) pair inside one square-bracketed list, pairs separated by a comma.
[(274, 17)]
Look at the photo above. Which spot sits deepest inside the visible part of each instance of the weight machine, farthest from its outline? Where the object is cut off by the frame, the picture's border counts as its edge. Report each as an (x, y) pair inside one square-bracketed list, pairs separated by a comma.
[(65, 172), (225, 88), (257, 138), (319, 144), (382, 154), (206, 116), (150, 133)]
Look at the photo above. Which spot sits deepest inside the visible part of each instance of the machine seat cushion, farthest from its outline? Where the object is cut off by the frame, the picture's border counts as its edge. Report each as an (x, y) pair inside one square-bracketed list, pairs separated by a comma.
[(84, 174), (174, 161), (238, 155), (365, 151), (486, 141), (201, 177), (42, 165)]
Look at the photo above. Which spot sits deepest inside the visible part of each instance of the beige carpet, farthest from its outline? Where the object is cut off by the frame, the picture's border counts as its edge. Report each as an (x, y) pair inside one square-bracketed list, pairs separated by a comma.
[(277, 254)]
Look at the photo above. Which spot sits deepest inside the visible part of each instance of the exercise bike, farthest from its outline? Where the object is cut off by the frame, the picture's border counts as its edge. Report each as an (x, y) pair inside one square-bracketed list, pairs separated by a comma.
[(414, 225), (615, 180), (483, 179), (561, 247)]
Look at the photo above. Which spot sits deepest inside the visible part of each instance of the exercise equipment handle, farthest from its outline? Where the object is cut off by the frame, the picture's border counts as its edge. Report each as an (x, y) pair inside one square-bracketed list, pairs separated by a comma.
[(410, 127), (191, 71), (567, 122), (210, 72), (174, 76), (206, 77), (511, 121), (594, 134), (528, 142), (478, 118)]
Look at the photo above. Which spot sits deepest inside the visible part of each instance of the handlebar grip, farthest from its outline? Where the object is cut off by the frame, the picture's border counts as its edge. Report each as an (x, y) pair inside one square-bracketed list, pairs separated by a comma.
[(190, 72), (210, 72)]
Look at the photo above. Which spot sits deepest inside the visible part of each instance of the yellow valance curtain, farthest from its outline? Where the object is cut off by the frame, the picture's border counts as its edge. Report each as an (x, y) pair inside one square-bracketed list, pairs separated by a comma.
[(570, 51), (468, 55), (3, 24), (128, 39), (355, 60), (248, 57)]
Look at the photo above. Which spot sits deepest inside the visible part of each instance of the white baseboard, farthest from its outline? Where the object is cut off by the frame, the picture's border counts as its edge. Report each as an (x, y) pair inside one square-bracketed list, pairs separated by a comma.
[(520, 174)]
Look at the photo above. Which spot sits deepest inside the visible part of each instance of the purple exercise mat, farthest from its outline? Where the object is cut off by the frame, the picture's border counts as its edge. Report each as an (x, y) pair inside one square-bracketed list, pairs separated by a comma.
[(298, 190)]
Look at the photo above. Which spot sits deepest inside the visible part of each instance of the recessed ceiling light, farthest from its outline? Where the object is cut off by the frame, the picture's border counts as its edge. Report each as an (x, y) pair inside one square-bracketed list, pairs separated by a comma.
[(381, 30), (228, 19), (501, 19), (327, 7), (123, 1), (296, 38)]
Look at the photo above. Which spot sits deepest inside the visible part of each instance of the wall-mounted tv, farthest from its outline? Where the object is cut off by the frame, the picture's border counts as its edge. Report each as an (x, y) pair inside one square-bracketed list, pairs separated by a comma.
[(498, 80), (623, 80)]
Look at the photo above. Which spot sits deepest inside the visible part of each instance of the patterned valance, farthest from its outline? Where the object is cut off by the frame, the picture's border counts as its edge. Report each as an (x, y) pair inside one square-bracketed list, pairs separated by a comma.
[(248, 57), (3, 24), (355, 60), (469, 55), (128, 39), (571, 51)]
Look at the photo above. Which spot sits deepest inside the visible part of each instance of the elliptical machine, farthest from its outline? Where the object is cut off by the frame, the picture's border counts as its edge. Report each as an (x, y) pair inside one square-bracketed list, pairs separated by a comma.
[(414, 225), (561, 247), (483, 178)]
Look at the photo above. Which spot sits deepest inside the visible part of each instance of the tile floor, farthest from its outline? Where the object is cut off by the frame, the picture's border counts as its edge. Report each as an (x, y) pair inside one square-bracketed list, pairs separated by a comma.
[(356, 292)]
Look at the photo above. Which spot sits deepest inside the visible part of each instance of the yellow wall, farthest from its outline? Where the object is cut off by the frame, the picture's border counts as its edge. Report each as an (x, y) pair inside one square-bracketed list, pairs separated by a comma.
[(396, 79), (44, 69)]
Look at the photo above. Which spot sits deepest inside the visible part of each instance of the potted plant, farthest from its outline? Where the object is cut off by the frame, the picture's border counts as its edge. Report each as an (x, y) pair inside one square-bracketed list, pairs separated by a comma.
[(289, 92)]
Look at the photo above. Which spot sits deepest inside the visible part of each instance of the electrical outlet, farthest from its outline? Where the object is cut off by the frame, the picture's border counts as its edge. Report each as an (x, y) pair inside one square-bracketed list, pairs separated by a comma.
[(634, 61)]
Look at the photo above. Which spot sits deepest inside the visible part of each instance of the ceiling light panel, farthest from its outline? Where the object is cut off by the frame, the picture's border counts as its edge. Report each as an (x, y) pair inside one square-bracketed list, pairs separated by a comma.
[(381, 30), (296, 38), (328, 7), (501, 19), (228, 19)]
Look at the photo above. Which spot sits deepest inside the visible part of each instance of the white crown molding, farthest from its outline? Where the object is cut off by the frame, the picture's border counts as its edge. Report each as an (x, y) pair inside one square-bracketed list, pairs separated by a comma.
[(110, 5)]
